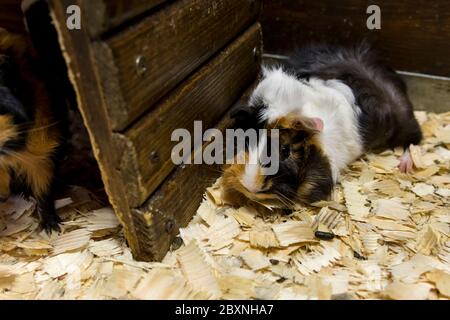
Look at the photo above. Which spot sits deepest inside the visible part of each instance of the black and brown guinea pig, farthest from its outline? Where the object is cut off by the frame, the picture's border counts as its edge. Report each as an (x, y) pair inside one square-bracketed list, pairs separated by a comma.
[(29, 135), (331, 104)]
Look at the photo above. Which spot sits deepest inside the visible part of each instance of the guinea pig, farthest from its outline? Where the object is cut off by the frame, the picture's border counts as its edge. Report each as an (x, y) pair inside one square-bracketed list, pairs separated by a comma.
[(29, 135), (330, 104)]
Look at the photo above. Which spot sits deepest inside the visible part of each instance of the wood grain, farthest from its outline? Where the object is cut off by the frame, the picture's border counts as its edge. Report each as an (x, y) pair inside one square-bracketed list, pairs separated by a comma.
[(104, 15), (173, 205), (77, 52), (124, 158), (169, 46), (429, 94), (146, 147), (414, 35)]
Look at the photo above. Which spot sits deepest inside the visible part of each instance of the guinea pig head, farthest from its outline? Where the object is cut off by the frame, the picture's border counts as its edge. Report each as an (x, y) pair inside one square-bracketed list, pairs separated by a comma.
[(303, 175)]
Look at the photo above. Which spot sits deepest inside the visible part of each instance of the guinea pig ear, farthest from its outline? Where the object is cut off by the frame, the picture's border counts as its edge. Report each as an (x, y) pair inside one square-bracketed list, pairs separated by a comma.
[(310, 124), (240, 113), (245, 117), (300, 123)]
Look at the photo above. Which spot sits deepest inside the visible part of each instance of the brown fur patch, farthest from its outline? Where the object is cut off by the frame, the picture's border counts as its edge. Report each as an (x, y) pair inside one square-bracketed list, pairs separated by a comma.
[(34, 163), (232, 182), (295, 122), (8, 130), (305, 189), (5, 180), (298, 132), (12, 44)]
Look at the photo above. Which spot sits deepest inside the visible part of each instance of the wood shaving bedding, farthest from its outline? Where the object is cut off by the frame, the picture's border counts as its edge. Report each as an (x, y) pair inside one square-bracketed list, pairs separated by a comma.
[(388, 238)]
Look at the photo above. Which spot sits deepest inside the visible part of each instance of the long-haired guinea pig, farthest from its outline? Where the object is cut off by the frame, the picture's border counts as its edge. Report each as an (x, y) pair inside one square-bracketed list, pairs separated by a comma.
[(330, 104), (29, 136)]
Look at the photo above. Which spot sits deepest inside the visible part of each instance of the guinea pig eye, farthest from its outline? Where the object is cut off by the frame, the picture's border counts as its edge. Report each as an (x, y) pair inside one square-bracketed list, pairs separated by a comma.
[(285, 151)]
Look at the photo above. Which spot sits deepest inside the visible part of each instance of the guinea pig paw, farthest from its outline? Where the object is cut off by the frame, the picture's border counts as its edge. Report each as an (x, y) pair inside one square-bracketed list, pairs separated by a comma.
[(50, 224), (406, 163)]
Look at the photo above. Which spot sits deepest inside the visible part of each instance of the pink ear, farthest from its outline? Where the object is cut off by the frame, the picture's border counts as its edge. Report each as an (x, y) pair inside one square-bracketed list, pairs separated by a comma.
[(318, 123)]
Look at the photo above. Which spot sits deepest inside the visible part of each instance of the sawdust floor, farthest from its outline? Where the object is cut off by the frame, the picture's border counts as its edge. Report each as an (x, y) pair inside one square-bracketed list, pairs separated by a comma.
[(391, 241)]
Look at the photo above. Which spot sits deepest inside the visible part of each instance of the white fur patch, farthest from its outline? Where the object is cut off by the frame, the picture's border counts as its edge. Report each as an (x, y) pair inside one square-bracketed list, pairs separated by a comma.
[(250, 178), (253, 167), (332, 101)]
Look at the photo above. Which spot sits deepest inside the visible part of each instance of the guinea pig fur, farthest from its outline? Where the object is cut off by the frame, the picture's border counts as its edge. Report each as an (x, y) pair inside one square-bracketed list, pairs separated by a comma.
[(29, 135), (331, 104)]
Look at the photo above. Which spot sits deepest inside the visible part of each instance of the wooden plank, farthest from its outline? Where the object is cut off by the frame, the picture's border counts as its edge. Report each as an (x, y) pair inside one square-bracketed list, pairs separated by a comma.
[(173, 205), (11, 17), (414, 35), (237, 65), (428, 93), (103, 15), (81, 68), (146, 147), (152, 57)]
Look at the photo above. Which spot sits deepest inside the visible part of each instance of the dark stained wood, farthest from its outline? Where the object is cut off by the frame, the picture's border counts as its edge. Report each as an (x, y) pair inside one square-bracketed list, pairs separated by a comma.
[(103, 15), (169, 46), (146, 147), (11, 17), (123, 158), (173, 205), (415, 35), (77, 52)]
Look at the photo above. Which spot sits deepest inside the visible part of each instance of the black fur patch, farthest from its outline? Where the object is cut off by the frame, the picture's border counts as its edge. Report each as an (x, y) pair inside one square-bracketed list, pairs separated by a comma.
[(316, 173), (8, 76), (386, 118), (10, 105), (247, 117), (308, 167)]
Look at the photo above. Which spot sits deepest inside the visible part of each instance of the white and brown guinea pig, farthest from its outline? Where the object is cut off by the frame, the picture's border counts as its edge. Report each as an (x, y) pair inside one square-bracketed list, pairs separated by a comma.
[(29, 135), (330, 104)]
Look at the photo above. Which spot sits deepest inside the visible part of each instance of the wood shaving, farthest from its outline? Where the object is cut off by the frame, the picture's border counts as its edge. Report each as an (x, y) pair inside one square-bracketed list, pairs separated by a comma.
[(322, 256), (263, 238), (403, 291), (255, 259), (391, 241), (442, 281), (76, 239), (197, 271), (371, 242), (292, 232), (391, 209), (427, 240), (107, 247), (355, 201), (163, 284), (416, 155), (422, 189), (102, 219), (244, 216)]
